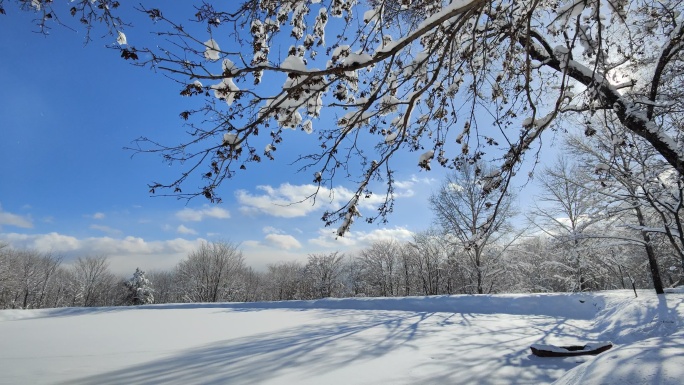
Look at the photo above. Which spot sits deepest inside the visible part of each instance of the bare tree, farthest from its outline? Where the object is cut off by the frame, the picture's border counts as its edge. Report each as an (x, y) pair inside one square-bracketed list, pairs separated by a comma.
[(165, 286), (5, 275), (429, 256), (210, 273), (353, 277), (473, 222), (381, 268), (93, 281), (26, 277), (630, 173), (569, 213), (325, 270), (530, 268), (283, 280), (64, 291)]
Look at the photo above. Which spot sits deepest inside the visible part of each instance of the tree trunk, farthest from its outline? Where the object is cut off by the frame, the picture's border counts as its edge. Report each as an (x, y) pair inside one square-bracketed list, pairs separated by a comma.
[(652, 261)]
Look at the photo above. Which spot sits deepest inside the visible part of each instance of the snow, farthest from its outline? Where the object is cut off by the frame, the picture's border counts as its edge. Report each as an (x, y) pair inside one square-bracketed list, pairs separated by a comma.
[(212, 50), (307, 126), (230, 139), (341, 51), (229, 68), (294, 63), (624, 365), (542, 122), (357, 58), (425, 158), (415, 340), (225, 90), (121, 38), (601, 167), (390, 137)]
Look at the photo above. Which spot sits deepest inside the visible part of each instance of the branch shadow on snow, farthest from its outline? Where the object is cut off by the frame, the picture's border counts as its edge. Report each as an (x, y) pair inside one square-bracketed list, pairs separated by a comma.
[(512, 363), (458, 352), (255, 359), (657, 360), (462, 329), (633, 320)]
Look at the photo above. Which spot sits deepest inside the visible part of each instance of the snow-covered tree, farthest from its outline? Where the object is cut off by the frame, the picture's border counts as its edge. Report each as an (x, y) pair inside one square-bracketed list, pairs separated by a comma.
[(166, 288), (93, 283), (352, 277), (429, 254), (283, 281), (27, 278), (569, 213), (210, 273), (629, 173), (473, 223), (140, 291), (381, 268), (450, 81), (324, 271), (529, 267)]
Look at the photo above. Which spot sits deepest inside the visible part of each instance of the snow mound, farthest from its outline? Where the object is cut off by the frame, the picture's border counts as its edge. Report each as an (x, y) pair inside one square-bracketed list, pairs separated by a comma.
[(678, 289), (625, 319), (647, 328), (657, 360)]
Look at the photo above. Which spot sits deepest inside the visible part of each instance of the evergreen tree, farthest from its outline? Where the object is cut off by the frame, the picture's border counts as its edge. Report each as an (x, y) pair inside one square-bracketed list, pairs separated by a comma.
[(140, 291)]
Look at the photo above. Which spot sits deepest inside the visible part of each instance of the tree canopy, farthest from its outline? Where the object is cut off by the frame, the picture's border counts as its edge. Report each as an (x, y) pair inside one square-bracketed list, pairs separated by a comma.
[(454, 82)]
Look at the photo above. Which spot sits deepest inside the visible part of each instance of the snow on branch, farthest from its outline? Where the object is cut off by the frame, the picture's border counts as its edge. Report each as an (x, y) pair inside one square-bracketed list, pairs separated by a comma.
[(370, 80)]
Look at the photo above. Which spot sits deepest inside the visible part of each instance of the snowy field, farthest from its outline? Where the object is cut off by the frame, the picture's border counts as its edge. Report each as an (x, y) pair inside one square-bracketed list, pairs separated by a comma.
[(423, 340)]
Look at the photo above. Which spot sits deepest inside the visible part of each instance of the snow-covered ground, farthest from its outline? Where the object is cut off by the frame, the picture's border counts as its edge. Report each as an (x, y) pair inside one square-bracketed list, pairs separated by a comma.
[(417, 340)]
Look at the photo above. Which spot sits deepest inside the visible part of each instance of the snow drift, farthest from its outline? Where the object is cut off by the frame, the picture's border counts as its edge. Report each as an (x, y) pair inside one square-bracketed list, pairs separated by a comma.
[(435, 340)]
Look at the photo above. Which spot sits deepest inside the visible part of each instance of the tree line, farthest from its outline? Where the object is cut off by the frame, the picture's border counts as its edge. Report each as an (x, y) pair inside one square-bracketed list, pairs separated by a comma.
[(216, 272), (607, 218)]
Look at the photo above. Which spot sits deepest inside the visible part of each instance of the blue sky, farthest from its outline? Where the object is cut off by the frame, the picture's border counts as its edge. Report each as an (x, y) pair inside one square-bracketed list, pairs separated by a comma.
[(67, 185)]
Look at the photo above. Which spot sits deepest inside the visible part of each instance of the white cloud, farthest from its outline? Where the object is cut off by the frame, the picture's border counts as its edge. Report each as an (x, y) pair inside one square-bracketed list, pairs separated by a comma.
[(275, 238), (51, 242), (124, 254), (106, 229), (181, 229), (280, 202), (98, 216), (9, 219), (258, 255), (358, 239), (405, 188), (272, 230), (282, 241), (251, 243), (398, 233), (197, 215), (455, 187), (327, 237), (290, 201)]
